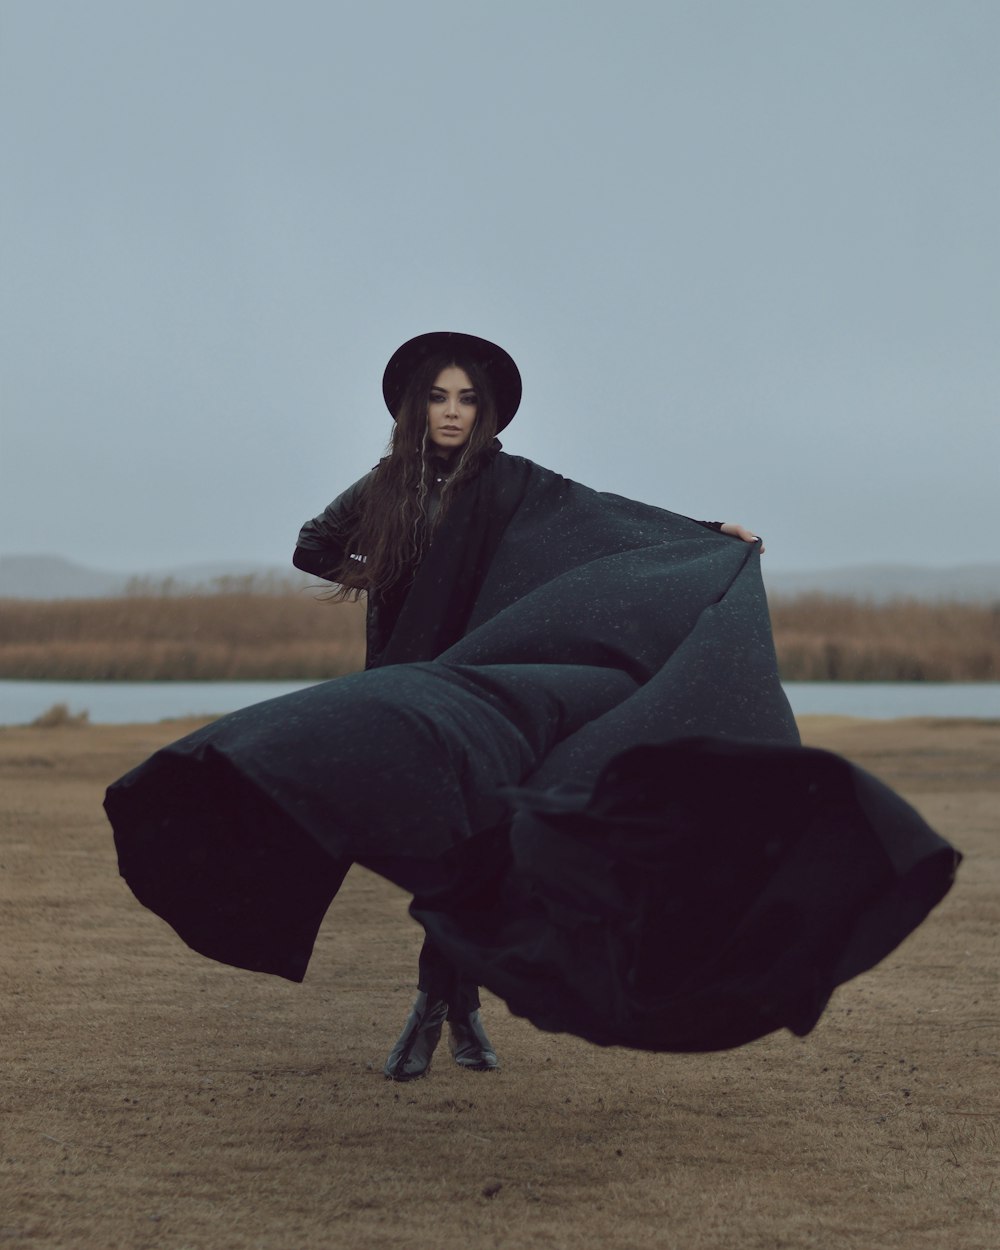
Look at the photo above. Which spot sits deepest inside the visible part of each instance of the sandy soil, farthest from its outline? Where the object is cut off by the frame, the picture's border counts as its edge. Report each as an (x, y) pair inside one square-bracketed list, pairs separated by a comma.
[(153, 1099)]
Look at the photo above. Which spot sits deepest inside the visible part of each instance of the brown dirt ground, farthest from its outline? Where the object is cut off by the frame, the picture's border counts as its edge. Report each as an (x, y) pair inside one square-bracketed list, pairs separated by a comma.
[(151, 1098)]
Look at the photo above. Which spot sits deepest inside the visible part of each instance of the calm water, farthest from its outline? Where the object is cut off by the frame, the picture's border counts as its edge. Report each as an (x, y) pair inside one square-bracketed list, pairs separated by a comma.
[(122, 702), (135, 702)]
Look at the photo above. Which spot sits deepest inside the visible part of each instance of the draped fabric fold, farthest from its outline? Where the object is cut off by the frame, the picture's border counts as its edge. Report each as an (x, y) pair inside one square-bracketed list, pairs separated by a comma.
[(576, 751)]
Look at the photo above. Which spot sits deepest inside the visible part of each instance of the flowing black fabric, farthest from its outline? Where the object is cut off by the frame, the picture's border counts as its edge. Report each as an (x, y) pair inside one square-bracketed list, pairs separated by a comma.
[(577, 755)]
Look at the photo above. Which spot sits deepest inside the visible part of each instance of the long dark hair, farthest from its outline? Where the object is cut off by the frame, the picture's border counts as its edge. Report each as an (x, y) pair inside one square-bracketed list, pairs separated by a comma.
[(392, 530)]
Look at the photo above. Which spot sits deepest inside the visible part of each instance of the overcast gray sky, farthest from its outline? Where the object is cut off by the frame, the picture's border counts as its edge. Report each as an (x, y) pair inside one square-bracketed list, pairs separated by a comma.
[(747, 256)]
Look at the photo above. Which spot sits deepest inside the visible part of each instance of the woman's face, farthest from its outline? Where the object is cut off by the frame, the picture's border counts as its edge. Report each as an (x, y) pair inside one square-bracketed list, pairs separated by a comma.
[(451, 410)]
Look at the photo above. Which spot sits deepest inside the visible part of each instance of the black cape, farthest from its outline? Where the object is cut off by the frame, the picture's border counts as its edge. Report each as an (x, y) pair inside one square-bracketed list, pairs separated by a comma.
[(577, 756)]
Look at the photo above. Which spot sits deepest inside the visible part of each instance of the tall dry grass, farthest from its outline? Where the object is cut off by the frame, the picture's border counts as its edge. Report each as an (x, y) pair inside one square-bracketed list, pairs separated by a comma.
[(832, 638), (208, 637), (244, 634)]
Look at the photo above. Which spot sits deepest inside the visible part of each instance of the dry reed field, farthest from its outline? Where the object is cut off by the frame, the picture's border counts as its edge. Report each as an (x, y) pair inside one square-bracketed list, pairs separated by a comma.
[(152, 1099), (826, 638), (242, 634)]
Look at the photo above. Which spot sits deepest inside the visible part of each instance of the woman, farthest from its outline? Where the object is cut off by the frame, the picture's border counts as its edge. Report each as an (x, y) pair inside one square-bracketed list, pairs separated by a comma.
[(447, 418), (570, 745), (439, 388)]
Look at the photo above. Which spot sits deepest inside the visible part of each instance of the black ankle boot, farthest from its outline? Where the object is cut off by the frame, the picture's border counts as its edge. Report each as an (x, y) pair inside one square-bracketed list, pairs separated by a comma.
[(411, 1056), (470, 1047)]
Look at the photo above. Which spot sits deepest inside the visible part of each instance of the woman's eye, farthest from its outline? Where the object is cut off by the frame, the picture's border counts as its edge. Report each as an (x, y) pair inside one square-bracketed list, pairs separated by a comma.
[(436, 397), (469, 399)]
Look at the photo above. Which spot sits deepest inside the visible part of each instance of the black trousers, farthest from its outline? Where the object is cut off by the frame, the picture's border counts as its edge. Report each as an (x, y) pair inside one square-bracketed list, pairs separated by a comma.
[(441, 980), (437, 977)]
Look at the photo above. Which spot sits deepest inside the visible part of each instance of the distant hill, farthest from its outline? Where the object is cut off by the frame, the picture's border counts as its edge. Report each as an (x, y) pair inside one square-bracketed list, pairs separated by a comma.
[(962, 583), (52, 577)]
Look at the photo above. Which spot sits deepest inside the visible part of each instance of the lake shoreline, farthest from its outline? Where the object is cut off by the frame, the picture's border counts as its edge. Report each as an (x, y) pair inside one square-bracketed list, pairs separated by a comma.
[(137, 703)]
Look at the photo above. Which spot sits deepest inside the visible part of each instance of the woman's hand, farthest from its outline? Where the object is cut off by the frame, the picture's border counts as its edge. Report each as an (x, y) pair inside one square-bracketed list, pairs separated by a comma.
[(740, 531)]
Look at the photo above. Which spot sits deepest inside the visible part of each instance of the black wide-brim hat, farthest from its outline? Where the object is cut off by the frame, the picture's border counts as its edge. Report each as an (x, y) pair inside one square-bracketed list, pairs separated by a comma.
[(493, 360)]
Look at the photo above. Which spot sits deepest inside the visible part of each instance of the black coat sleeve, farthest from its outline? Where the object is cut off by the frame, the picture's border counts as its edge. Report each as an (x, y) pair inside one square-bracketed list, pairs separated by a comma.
[(322, 542)]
